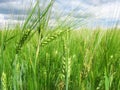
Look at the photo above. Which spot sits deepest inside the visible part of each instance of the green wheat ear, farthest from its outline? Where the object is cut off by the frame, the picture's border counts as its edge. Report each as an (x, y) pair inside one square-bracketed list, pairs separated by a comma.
[(32, 24), (26, 33), (52, 37), (22, 40)]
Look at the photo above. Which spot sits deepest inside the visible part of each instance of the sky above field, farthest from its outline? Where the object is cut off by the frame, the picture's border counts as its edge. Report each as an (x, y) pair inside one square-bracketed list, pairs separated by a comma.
[(99, 13)]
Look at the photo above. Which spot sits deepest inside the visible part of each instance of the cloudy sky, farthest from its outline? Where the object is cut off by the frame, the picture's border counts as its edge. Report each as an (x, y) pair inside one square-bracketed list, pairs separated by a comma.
[(103, 13)]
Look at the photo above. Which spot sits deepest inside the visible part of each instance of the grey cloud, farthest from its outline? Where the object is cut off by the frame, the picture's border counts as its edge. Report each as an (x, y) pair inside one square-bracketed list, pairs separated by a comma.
[(15, 17), (12, 11), (14, 8), (98, 2), (3, 1)]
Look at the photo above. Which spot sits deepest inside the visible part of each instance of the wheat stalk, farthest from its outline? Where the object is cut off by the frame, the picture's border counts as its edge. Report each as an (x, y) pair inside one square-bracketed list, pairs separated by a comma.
[(4, 81), (66, 63)]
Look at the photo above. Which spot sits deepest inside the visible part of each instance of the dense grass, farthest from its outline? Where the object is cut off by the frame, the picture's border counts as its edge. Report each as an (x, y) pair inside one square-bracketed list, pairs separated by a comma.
[(82, 60)]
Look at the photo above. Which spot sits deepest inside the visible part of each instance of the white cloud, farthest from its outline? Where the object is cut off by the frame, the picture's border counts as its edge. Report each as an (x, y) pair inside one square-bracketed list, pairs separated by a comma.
[(13, 11), (97, 10), (109, 10), (8, 22), (2, 22), (103, 14), (1, 16)]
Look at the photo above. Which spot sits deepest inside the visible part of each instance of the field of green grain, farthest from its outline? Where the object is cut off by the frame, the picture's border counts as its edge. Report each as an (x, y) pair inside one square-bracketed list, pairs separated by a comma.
[(36, 57), (77, 60)]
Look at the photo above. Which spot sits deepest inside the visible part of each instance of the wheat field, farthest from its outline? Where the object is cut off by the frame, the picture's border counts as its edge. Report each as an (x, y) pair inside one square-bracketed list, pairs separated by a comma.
[(37, 57)]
